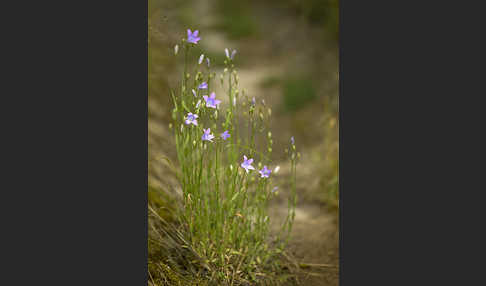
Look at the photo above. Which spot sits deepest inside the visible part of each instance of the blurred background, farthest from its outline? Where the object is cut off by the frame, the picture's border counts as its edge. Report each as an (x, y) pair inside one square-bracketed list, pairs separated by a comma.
[(288, 56)]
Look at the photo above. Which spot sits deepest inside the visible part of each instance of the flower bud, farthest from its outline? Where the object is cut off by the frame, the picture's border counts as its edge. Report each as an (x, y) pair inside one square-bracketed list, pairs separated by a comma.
[(176, 49)]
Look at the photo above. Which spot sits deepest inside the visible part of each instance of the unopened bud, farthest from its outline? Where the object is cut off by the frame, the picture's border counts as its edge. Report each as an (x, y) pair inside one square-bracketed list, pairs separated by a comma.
[(176, 49)]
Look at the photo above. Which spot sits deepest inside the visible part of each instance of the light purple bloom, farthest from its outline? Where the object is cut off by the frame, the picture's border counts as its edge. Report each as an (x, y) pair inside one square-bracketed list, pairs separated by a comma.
[(225, 135), (203, 85), (201, 58), (274, 189), (207, 136), (253, 101), (211, 101), (191, 119), (198, 103), (194, 93), (192, 37), (292, 140), (226, 51), (265, 172), (247, 164)]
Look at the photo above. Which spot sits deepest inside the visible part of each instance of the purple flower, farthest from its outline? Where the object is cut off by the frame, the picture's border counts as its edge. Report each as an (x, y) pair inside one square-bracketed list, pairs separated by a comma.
[(192, 37), (274, 189), (194, 93), (207, 136), (265, 172), (225, 135), (292, 140), (201, 58), (191, 119), (226, 51), (211, 101), (203, 85), (247, 164), (253, 101)]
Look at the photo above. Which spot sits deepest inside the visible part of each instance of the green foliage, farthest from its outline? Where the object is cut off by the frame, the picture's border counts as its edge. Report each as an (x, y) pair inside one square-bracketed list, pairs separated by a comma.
[(236, 19), (298, 92), (222, 234)]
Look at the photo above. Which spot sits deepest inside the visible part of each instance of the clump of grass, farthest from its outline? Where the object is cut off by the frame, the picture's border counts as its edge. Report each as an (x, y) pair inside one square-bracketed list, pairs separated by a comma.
[(297, 93), (222, 235), (236, 19)]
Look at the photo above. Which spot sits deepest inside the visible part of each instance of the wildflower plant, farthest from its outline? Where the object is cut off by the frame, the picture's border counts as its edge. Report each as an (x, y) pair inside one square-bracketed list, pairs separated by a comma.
[(226, 180)]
